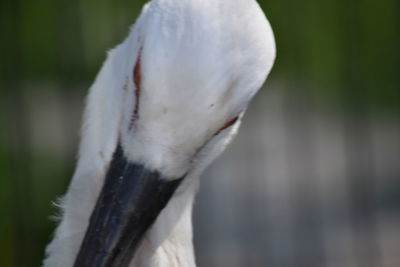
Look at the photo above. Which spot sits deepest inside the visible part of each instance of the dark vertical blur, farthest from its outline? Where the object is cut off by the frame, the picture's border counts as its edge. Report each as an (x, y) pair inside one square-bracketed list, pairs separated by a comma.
[(313, 179)]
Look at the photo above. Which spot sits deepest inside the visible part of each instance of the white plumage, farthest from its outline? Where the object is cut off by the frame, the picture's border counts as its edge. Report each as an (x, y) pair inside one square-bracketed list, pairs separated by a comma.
[(201, 62)]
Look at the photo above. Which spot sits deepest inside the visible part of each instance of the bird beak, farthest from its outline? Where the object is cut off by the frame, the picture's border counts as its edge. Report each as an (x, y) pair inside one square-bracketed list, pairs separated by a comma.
[(129, 203)]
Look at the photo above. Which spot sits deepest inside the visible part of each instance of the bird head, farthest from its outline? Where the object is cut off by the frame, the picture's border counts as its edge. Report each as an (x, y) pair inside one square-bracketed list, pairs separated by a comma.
[(195, 67), (182, 79)]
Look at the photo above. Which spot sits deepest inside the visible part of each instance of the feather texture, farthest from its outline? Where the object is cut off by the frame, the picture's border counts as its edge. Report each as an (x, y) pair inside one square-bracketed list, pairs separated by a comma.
[(201, 62)]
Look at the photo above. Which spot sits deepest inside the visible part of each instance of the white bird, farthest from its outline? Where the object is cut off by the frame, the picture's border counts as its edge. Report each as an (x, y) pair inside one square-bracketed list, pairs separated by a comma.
[(165, 104)]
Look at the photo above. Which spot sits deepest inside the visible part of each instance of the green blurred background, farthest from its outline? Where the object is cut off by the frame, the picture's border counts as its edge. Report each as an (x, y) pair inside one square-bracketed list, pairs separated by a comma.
[(343, 56)]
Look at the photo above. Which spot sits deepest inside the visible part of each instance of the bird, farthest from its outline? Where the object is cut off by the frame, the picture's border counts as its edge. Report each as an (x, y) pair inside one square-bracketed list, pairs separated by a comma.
[(166, 102)]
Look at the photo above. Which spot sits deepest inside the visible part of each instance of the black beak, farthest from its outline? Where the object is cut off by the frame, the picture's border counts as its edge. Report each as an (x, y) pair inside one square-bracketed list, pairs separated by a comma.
[(129, 203)]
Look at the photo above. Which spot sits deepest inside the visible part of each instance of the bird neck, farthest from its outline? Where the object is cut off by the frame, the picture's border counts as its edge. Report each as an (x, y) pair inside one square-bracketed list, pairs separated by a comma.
[(169, 242)]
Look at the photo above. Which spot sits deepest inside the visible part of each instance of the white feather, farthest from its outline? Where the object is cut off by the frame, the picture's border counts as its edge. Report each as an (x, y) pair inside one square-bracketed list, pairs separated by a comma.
[(201, 63)]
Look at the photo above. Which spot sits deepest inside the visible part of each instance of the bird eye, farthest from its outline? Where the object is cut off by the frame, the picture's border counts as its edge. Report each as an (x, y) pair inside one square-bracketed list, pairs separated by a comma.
[(137, 79), (227, 125)]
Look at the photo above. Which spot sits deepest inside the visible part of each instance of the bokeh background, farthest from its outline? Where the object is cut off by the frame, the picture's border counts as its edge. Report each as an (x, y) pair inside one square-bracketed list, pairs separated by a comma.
[(313, 178)]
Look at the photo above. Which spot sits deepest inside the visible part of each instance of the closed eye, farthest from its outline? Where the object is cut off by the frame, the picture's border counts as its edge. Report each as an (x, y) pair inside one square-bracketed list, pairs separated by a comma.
[(227, 125)]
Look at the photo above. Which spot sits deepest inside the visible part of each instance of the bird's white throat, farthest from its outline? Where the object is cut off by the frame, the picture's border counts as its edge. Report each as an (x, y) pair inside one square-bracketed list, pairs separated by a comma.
[(170, 240)]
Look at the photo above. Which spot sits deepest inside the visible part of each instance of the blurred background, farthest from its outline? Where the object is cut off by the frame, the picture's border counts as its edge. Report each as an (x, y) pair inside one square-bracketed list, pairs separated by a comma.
[(312, 180)]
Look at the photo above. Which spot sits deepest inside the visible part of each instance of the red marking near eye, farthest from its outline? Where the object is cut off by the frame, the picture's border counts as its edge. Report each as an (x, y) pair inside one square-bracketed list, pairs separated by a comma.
[(137, 79), (227, 125)]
